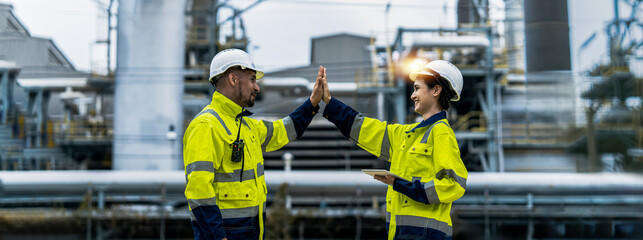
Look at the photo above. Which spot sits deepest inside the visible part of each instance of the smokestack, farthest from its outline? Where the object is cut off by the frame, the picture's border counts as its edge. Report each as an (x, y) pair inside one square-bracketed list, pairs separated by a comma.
[(468, 13), (148, 99), (547, 35)]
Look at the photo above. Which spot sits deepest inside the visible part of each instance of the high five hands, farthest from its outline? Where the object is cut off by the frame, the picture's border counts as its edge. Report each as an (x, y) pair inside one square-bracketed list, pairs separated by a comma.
[(326, 97), (320, 89)]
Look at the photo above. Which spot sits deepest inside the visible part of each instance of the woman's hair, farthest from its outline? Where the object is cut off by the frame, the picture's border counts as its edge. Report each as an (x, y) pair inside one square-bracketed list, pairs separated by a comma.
[(444, 98)]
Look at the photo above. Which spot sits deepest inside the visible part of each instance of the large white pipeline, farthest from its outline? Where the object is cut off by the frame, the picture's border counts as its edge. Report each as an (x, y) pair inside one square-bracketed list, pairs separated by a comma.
[(308, 182)]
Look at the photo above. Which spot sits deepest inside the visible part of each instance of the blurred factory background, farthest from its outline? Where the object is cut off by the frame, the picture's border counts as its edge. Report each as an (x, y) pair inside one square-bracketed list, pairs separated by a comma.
[(552, 153)]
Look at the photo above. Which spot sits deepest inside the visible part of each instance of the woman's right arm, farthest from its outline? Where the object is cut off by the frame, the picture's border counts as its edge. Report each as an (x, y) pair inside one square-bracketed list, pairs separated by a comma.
[(370, 134)]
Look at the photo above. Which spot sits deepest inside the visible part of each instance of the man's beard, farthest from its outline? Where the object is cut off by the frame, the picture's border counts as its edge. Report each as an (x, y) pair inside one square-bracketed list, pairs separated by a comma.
[(250, 102)]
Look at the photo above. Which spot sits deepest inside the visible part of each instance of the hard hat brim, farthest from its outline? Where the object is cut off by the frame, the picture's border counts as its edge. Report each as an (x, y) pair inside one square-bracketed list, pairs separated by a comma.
[(258, 73), (414, 75)]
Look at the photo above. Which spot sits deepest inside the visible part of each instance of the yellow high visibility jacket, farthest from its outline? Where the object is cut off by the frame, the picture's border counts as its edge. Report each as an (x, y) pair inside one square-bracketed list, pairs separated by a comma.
[(426, 154), (226, 198)]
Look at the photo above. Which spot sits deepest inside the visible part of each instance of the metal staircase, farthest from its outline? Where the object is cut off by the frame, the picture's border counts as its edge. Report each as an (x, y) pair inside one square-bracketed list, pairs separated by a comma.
[(322, 147)]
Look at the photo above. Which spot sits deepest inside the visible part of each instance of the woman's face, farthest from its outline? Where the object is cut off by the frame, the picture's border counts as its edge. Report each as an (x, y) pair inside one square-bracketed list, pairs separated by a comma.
[(423, 96)]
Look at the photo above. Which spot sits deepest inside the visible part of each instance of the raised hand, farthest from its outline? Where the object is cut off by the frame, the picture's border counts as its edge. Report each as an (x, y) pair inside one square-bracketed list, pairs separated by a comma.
[(318, 90), (326, 97)]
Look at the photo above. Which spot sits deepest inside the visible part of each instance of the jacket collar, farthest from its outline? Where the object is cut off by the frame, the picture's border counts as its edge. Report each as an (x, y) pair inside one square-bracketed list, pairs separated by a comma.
[(430, 121), (225, 106)]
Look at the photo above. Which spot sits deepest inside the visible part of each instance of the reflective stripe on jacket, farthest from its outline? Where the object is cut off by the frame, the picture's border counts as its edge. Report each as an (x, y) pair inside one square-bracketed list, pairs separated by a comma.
[(225, 198), (427, 155)]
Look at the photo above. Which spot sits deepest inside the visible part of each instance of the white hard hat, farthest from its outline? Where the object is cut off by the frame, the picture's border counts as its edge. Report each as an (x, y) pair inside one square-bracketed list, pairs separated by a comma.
[(446, 70), (229, 58)]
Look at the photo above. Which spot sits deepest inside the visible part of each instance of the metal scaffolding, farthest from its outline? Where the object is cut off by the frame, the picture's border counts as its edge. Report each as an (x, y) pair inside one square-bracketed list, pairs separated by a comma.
[(492, 158)]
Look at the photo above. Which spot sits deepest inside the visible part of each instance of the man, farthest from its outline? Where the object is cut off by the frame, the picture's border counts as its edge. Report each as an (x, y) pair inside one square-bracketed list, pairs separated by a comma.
[(222, 151)]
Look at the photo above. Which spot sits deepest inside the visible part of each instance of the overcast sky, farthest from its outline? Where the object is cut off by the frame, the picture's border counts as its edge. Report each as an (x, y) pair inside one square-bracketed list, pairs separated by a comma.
[(280, 30)]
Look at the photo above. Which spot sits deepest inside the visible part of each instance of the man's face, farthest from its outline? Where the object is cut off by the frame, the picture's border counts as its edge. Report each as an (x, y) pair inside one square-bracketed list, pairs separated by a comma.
[(248, 87)]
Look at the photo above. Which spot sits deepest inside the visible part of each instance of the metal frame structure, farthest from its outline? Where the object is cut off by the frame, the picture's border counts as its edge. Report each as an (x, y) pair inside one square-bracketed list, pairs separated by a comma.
[(36, 146), (488, 103), (9, 148)]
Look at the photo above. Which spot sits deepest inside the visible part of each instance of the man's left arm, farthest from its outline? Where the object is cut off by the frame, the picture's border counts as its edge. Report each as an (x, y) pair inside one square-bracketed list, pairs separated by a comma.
[(288, 129)]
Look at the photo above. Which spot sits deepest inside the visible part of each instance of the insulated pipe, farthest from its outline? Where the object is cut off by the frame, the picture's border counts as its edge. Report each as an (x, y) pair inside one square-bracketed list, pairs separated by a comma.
[(288, 83), (62, 182), (453, 42), (310, 183)]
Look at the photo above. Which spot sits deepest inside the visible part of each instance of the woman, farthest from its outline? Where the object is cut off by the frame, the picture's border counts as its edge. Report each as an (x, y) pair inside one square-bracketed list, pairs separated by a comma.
[(425, 154)]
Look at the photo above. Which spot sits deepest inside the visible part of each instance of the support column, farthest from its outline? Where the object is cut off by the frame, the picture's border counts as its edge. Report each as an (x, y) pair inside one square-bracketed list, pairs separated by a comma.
[(8, 73), (37, 102), (400, 101), (492, 144), (5, 98)]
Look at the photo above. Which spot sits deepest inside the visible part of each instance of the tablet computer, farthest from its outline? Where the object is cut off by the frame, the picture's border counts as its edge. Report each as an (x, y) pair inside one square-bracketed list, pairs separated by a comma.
[(380, 172)]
